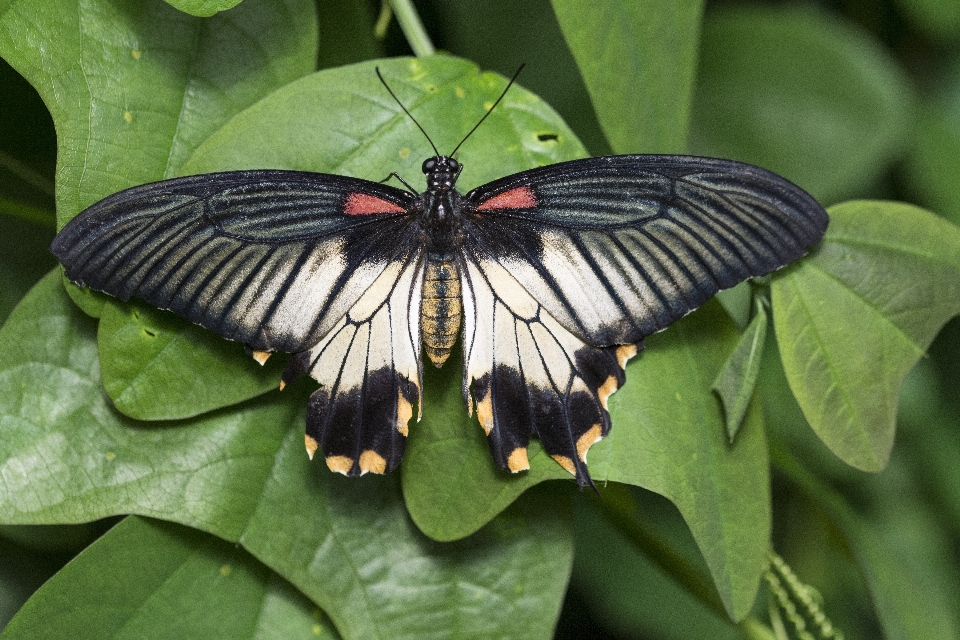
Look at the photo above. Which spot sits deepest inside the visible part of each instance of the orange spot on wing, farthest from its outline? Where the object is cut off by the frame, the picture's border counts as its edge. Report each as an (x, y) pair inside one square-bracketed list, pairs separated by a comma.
[(360, 204), (519, 198), (517, 460)]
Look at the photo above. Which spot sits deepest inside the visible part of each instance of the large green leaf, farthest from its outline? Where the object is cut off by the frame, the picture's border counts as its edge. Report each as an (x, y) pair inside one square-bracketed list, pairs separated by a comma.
[(853, 319), (134, 88), (638, 61), (242, 474), (343, 121), (149, 579), (668, 436), (801, 92)]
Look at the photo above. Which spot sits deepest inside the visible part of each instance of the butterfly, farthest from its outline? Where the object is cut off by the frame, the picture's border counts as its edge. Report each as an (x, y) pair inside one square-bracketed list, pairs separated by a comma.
[(550, 278)]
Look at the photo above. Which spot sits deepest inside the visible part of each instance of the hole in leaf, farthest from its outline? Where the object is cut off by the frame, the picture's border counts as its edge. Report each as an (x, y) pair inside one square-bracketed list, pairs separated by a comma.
[(547, 137), (149, 333)]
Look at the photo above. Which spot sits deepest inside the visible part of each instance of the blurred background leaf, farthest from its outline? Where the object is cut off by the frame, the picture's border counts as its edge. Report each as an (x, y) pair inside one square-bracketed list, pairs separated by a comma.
[(800, 91)]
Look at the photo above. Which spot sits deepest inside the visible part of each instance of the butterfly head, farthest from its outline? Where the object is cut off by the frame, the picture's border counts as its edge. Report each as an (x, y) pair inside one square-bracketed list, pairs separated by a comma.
[(442, 173)]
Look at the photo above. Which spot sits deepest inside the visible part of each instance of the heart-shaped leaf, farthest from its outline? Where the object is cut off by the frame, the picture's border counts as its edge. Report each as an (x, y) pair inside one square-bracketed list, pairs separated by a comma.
[(130, 580), (242, 474)]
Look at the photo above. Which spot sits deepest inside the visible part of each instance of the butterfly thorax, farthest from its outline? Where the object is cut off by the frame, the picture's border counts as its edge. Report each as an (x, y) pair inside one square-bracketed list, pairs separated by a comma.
[(441, 308)]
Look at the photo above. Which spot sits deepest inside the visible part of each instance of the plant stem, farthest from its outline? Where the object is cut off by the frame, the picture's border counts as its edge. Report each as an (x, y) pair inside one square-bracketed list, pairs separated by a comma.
[(412, 27), (26, 174), (35, 215)]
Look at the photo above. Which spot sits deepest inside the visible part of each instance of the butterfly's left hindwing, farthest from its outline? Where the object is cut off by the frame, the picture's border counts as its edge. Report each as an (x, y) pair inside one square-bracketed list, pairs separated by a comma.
[(527, 375)]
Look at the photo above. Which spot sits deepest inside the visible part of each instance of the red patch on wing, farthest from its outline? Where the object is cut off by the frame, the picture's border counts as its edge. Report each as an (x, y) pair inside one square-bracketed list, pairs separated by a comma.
[(360, 204), (519, 198)]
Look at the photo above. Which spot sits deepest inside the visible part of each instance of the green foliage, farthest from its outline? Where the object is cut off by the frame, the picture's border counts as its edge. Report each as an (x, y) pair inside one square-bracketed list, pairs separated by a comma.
[(652, 43), (141, 571), (121, 409)]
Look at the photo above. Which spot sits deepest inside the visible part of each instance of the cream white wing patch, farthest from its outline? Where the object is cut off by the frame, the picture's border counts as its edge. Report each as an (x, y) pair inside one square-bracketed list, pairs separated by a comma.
[(527, 375), (368, 366)]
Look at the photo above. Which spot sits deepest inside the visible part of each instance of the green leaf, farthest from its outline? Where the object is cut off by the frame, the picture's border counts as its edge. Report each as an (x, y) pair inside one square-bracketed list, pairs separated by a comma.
[(153, 579), (242, 474), (143, 352), (637, 60), (669, 437), (852, 319), (801, 92), (203, 8), (738, 377), (343, 121)]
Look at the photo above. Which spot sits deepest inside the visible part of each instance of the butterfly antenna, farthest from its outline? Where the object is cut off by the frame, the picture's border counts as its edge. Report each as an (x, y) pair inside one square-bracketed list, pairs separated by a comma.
[(490, 110), (379, 75)]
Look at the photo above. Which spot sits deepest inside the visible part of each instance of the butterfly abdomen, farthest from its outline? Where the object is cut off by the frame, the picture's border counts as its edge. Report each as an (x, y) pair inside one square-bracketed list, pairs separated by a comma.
[(441, 307)]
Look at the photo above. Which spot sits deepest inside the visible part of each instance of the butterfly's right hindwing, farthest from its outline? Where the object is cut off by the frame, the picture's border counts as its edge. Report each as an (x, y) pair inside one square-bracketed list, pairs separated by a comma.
[(369, 369), (272, 259)]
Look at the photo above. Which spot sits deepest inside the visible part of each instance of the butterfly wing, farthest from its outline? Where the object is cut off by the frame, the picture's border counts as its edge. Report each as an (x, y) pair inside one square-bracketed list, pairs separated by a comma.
[(528, 375), (268, 258), (617, 248), (370, 370)]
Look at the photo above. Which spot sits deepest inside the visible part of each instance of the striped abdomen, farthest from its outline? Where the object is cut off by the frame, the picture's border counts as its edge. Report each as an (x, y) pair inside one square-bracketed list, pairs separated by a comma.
[(440, 307)]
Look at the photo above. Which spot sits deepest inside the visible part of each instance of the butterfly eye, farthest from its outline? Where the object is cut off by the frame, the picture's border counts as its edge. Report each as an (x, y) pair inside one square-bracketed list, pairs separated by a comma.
[(429, 165), (453, 164)]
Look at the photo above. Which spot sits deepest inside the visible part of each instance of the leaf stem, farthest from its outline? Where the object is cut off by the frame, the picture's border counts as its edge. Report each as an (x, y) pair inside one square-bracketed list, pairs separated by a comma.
[(36, 215), (412, 27), (25, 173)]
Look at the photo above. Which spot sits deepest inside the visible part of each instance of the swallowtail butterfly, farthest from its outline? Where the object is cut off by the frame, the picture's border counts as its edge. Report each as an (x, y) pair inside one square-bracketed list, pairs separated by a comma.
[(551, 278)]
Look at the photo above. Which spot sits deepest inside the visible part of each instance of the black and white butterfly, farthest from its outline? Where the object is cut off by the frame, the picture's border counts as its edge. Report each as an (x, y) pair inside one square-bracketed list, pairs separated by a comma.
[(551, 278)]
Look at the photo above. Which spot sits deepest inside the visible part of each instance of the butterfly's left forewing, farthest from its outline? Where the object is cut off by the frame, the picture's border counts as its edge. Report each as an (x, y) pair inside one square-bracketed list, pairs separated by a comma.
[(527, 375)]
